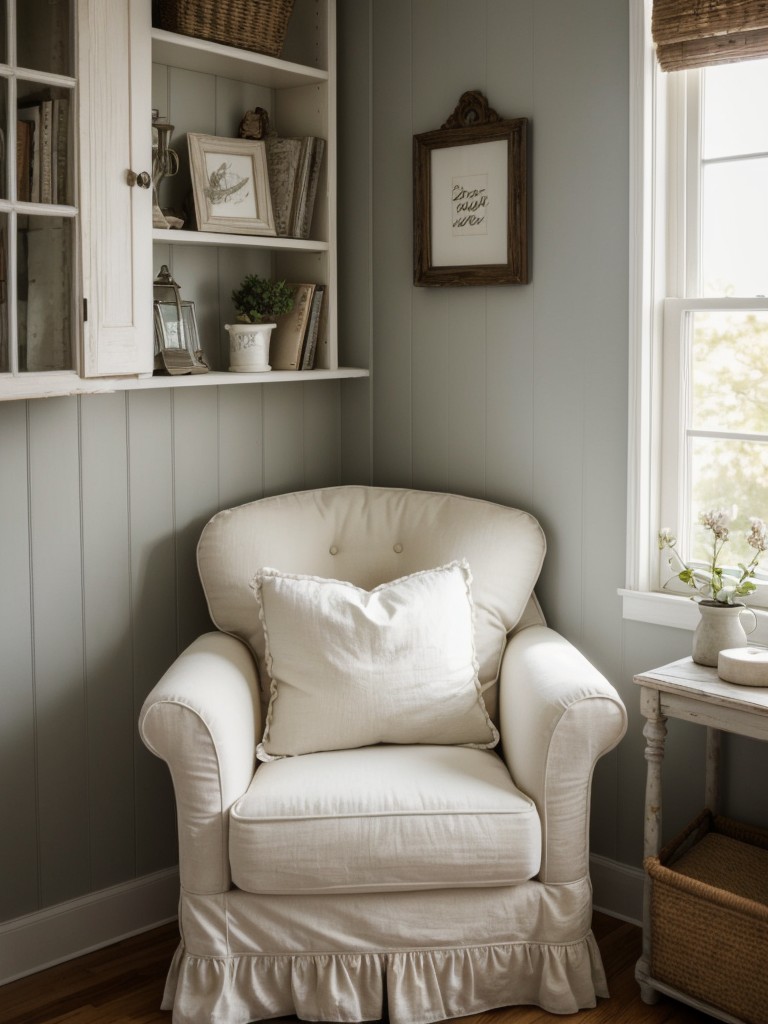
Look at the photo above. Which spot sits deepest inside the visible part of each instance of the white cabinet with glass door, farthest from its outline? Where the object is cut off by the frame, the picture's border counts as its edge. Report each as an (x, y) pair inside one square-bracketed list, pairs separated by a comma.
[(75, 300)]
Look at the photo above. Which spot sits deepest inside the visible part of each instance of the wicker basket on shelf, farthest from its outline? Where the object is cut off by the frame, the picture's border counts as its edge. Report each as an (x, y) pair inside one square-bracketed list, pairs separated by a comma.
[(709, 915), (258, 25)]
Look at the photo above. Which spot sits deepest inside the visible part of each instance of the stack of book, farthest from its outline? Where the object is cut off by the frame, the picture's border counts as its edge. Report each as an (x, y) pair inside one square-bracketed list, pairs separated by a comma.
[(295, 340), (42, 152), (294, 171)]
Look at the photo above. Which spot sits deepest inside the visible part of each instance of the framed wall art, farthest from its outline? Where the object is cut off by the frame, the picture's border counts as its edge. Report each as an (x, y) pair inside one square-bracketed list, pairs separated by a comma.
[(470, 199), (230, 184)]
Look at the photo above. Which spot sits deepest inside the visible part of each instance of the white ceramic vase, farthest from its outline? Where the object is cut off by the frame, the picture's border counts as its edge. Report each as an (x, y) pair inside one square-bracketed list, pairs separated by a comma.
[(719, 628), (249, 347)]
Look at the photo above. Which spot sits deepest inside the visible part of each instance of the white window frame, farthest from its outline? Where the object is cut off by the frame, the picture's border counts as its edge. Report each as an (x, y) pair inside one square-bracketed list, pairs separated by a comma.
[(658, 240)]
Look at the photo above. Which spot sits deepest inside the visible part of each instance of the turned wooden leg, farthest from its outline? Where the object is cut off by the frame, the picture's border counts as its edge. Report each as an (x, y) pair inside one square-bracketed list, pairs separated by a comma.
[(655, 732)]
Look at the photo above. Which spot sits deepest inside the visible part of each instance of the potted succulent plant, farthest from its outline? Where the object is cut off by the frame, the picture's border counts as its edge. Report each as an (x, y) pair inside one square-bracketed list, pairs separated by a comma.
[(258, 302)]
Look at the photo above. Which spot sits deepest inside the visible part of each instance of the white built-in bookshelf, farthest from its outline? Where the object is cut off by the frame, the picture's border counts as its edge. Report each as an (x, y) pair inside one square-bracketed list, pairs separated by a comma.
[(102, 289)]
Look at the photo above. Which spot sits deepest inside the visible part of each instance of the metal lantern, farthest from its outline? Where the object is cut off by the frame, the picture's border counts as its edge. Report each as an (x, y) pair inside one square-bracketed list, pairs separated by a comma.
[(177, 349)]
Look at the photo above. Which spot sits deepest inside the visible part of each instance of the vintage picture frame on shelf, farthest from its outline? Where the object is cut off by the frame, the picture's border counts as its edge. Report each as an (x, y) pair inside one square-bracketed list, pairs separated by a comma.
[(470, 199), (167, 325), (177, 343), (230, 184)]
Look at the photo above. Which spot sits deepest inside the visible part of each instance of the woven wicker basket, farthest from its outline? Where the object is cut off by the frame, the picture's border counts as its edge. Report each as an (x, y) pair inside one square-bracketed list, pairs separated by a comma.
[(258, 25), (709, 916)]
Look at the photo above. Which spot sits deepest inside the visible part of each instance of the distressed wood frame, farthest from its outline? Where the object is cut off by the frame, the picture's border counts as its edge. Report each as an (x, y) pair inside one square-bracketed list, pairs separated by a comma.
[(472, 123), (206, 214)]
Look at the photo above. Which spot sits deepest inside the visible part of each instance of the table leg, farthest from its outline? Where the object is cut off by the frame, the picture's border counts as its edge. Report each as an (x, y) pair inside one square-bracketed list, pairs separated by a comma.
[(655, 732), (712, 776)]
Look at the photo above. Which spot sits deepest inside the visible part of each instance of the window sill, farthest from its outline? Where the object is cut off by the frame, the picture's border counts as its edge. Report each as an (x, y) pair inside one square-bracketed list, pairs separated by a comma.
[(677, 612)]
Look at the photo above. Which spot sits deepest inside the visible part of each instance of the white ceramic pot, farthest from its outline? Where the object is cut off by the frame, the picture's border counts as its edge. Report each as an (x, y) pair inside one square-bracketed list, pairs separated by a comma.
[(249, 347), (719, 629)]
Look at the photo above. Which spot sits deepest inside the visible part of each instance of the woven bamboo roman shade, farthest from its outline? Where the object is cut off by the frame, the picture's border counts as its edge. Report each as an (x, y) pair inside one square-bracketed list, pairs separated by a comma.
[(698, 33)]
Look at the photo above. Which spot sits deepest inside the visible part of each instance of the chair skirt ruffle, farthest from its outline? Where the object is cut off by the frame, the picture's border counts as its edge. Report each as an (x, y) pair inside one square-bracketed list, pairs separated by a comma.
[(253, 968)]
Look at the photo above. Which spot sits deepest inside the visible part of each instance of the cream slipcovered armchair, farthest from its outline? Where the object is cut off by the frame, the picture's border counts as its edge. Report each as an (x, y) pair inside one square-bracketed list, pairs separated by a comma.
[(383, 853)]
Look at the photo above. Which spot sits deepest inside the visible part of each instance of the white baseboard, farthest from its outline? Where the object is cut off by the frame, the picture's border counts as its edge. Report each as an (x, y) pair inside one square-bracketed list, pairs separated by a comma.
[(617, 889), (36, 941)]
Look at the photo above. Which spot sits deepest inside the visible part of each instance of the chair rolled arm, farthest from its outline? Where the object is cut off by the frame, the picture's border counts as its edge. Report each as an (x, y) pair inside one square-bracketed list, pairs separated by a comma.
[(203, 718), (558, 716)]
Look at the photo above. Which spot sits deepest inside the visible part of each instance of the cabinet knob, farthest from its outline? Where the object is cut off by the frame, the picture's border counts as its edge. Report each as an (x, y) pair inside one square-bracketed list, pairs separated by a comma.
[(143, 180)]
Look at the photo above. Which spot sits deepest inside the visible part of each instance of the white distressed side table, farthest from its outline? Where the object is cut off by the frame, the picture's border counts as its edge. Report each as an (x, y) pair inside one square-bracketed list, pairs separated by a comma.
[(694, 693)]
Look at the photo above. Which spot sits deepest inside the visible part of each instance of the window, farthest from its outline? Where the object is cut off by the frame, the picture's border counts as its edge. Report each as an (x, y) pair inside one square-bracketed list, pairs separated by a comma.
[(699, 309), (714, 331)]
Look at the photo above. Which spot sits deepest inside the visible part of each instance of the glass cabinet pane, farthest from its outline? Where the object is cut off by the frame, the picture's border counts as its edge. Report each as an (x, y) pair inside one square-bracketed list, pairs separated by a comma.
[(4, 55), (4, 139), (44, 145), (44, 293), (43, 35), (37, 166), (5, 351)]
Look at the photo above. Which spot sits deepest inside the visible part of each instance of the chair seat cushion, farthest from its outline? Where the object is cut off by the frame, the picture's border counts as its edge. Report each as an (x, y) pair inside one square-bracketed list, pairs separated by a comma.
[(383, 818)]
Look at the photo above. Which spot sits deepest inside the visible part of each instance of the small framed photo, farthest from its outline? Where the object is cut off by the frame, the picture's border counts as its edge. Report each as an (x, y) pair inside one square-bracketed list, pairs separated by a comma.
[(230, 184), (169, 332), (469, 199), (177, 344)]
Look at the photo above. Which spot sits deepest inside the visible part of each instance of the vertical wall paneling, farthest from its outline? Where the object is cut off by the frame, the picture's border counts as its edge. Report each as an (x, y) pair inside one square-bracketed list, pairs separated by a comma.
[(355, 235), (196, 498), (509, 462), (62, 740), (448, 383), (510, 339), (449, 324), (160, 90), (241, 447), (322, 433), (564, 305), (232, 101), (107, 631), (392, 249), (104, 498), (192, 107), (18, 791), (283, 438), (605, 356), (154, 615), (497, 391), (745, 759), (356, 432), (162, 254)]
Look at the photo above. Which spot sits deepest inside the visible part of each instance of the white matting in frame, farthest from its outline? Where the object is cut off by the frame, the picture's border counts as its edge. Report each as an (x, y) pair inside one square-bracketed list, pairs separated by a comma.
[(230, 183), (468, 198)]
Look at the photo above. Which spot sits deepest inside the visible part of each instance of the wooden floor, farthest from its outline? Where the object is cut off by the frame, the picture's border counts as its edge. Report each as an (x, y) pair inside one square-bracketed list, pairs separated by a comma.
[(122, 984)]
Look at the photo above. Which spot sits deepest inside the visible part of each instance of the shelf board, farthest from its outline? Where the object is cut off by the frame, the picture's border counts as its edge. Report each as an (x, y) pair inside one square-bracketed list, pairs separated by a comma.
[(229, 62), (173, 237), (55, 385)]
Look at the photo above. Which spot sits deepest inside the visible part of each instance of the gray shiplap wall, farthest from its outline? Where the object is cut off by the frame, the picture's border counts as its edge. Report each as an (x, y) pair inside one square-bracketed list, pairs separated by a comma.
[(515, 394), (103, 499), (519, 394)]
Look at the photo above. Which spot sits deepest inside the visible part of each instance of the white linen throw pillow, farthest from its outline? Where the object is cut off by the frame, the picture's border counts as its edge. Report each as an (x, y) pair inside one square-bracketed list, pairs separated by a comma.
[(351, 667)]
